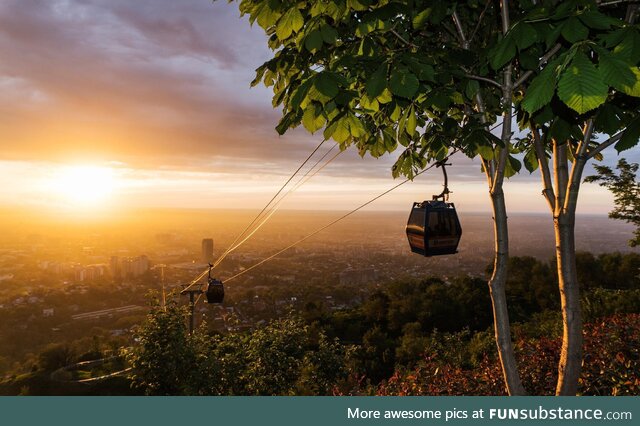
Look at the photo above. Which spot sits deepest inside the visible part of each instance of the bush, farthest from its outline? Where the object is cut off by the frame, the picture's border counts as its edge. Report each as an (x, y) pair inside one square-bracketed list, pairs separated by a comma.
[(611, 366)]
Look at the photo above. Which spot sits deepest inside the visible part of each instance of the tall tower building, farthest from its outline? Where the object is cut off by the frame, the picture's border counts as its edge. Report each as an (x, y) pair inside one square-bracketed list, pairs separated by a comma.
[(207, 250)]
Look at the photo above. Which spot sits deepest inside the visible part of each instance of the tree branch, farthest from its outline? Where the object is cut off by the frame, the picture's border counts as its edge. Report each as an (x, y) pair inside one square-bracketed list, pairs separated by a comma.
[(475, 30), (402, 39), (487, 170), (573, 186), (485, 79), (506, 22), (489, 166), (614, 2), (463, 39), (606, 144), (543, 60), (561, 174), (545, 173), (507, 91)]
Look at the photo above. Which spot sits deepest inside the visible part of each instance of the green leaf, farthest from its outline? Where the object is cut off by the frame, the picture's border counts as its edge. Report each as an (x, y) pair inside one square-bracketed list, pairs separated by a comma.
[(486, 152), (403, 83), (377, 82), (503, 52), (313, 41), (629, 48), (421, 18), (326, 84), (368, 104), (531, 161), (573, 30), (290, 22), (286, 122), (552, 35), (512, 167), (607, 120), (617, 73), (581, 87), (314, 95), (341, 130), (300, 93), (369, 26), (312, 118), (367, 47), (471, 89), (412, 122), (385, 97), (329, 34), (633, 89), (630, 137), (524, 35), (265, 16), (529, 60), (427, 73), (356, 129), (596, 20), (541, 90)]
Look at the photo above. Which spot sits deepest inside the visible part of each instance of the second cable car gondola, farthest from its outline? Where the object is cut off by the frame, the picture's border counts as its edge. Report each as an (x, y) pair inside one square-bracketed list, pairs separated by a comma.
[(215, 289), (433, 228)]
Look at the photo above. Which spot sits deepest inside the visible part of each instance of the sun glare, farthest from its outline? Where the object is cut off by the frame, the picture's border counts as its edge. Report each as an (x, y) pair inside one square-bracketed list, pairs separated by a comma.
[(84, 185)]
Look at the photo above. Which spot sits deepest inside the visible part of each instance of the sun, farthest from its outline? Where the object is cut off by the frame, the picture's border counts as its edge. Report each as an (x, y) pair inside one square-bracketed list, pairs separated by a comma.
[(84, 185)]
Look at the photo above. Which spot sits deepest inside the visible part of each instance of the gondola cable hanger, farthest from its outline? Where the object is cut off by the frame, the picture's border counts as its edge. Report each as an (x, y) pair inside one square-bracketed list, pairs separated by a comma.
[(310, 173)]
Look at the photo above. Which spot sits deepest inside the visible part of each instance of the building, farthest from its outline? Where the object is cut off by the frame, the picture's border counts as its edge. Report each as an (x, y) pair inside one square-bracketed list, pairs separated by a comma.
[(207, 250), (114, 266), (132, 267)]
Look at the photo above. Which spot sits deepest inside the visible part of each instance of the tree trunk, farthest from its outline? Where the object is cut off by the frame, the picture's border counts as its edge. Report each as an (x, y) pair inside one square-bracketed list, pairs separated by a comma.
[(570, 364), (497, 285)]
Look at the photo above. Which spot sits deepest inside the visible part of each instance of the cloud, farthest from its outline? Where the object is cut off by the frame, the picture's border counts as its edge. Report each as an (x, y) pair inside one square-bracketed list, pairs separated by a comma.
[(156, 84), (151, 83)]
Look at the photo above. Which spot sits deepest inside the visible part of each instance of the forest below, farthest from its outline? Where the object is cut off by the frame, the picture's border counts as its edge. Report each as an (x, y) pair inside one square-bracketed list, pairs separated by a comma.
[(411, 337)]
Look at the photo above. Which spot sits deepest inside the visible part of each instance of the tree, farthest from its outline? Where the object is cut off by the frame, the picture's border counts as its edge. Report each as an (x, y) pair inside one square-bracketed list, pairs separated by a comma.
[(586, 90), (285, 357), (432, 76), (626, 193), (164, 358)]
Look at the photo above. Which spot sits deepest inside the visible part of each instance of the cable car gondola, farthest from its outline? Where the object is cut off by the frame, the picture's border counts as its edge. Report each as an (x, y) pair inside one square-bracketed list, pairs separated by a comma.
[(215, 289), (433, 228)]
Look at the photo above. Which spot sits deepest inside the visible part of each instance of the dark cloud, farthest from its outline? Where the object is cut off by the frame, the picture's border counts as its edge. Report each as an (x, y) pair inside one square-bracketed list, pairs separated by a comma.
[(147, 82)]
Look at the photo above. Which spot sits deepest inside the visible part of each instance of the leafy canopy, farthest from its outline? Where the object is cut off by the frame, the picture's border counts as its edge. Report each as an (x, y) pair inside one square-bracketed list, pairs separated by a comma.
[(376, 74)]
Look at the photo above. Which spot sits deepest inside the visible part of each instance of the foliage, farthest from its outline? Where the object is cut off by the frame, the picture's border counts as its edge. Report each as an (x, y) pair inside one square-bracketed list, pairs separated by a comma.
[(626, 193), (283, 358), (165, 357), (382, 73), (55, 356), (414, 337), (611, 366)]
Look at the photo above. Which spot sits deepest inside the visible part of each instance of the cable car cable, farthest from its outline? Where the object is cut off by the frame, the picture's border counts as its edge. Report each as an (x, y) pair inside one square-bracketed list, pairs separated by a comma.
[(273, 198), (205, 272), (275, 207), (335, 221)]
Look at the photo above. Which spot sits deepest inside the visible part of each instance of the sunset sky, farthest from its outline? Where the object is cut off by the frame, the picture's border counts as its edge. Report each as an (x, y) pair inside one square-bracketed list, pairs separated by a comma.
[(147, 103)]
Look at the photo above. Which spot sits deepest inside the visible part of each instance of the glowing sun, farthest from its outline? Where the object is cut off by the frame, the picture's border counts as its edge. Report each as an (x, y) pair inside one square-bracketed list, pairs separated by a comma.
[(84, 185)]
